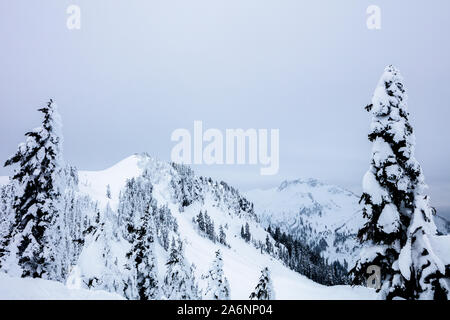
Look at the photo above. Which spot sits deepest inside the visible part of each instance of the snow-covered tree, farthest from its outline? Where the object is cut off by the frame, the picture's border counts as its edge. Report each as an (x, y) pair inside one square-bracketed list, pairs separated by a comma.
[(222, 236), (399, 221), (165, 225), (133, 201), (269, 245), (264, 289), (36, 231), (245, 232), (248, 235), (201, 221), (196, 293), (6, 218), (209, 227), (108, 191), (218, 287), (143, 281), (111, 277), (185, 185), (179, 281)]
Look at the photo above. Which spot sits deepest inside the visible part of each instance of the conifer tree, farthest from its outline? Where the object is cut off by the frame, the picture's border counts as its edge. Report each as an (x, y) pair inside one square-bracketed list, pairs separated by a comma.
[(222, 236), (36, 231), (201, 221), (133, 202), (248, 235), (108, 191), (218, 287), (264, 288), (209, 227), (179, 280), (269, 246), (196, 293), (110, 277), (399, 221), (143, 282), (6, 219)]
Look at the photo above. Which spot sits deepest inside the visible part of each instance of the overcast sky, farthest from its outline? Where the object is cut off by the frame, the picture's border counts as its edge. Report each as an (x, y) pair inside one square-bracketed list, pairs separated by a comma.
[(137, 70)]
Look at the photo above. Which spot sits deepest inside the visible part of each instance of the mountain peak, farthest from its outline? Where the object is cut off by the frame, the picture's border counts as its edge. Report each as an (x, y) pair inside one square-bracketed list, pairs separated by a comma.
[(311, 182)]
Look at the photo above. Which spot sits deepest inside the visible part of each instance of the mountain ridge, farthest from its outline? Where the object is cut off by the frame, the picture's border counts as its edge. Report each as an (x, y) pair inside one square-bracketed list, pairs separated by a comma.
[(179, 195)]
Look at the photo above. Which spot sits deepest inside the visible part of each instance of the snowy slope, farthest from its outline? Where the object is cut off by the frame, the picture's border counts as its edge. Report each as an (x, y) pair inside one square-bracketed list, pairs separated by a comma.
[(312, 211), (242, 265), (94, 183), (38, 289), (442, 224), (242, 261)]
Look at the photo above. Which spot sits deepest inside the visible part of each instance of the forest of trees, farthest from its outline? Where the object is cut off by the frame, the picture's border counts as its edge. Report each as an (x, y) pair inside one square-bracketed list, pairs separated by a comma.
[(307, 260)]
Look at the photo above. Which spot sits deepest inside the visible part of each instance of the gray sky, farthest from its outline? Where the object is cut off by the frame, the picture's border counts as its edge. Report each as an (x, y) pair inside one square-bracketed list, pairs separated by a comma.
[(137, 70)]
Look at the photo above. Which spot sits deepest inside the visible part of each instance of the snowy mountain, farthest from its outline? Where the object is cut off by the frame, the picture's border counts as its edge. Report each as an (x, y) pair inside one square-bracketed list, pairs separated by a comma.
[(442, 224), (325, 216), (242, 261), (177, 196)]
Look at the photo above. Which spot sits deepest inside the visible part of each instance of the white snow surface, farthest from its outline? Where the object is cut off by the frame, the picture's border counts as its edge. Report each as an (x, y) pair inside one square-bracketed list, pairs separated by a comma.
[(94, 183), (389, 219), (12, 288)]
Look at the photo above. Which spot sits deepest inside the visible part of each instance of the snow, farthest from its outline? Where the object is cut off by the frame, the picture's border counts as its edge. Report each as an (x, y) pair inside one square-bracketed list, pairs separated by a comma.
[(242, 265), (12, 288), (405, 260), (242, 261), (307, 203), (389, 219), (382, 151), (441, 245), (372, 187), (94, 183)]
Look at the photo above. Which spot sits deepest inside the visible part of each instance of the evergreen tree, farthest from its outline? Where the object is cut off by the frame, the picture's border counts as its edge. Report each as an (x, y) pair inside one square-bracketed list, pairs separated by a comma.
[(179, 281), (248, 235), (6, 219), (196, 293), (133, 203), (211, 232), (201, 221), (264, 288), (108, 191), (110, 278), (209, 227), (218, 287), (164, 225), (143, 282), (269, 246), (222, 236), (399, 222), (36, 230)]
